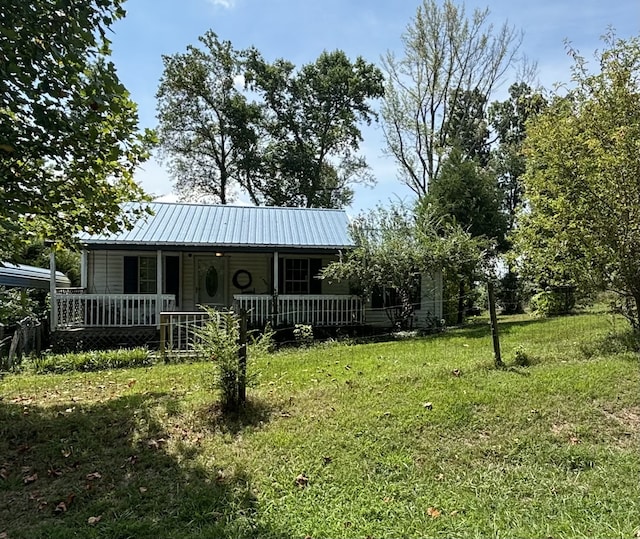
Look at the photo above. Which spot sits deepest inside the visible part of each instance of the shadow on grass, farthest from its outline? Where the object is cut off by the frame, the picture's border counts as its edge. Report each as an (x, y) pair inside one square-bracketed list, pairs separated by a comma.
[(104, 470), (482, 330), (255, 414)]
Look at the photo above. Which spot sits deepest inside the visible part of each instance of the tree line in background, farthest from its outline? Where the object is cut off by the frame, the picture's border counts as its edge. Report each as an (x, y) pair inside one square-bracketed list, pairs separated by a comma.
[(547, 183)]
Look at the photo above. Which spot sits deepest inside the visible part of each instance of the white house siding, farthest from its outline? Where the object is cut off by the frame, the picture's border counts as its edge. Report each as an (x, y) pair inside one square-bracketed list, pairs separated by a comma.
[(430, 304), (105, 272)]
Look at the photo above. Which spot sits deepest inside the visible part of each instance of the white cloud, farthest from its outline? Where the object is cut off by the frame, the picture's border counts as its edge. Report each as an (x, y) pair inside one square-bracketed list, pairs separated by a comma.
[(227, 4)]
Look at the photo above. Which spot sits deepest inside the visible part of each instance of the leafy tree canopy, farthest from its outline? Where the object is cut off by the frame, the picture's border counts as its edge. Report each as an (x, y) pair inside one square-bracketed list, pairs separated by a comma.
[(395, 245), (69, 139), (288, 137), (582, 183)]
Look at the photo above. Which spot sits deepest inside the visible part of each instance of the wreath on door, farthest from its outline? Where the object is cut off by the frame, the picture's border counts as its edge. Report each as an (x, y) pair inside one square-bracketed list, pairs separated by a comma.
[(242, 279)]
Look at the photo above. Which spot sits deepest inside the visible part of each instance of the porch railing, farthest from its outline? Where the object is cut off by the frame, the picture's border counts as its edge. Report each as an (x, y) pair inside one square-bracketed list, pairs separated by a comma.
[(315, 310), (108, 310), (178, 330)]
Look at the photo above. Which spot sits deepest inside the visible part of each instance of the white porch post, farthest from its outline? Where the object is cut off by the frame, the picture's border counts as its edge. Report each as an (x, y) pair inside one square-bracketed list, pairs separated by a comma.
[(158, 286), (52, 289), (84, 269)]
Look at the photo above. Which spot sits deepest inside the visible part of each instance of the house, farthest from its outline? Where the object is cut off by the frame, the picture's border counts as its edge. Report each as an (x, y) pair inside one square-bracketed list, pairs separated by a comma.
[(262, 259)]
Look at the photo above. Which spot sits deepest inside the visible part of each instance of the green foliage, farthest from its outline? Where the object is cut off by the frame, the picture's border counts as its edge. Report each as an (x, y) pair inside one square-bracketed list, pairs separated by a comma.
[(553, 301), (521, 357), (394, 246), (207, 127), (69, 140), (470, 195), (508, 119), (36, 253), (582, 223), (311, 120), (98, 360), (218, 341), (303, 334), (289, 138), (511, 293), (16, 304)]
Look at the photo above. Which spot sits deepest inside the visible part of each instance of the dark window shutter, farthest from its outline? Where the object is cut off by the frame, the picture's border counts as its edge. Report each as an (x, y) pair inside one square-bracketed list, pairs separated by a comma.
[(377, 297), (315, 284), (172, 277), (130, 284), (281, 289)]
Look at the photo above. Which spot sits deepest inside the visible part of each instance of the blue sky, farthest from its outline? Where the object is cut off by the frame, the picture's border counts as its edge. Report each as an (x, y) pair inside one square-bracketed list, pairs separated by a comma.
[(299, 30)]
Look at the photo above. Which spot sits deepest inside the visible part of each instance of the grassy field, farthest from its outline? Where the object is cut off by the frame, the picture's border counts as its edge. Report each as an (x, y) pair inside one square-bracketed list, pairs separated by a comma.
[(414, 438)]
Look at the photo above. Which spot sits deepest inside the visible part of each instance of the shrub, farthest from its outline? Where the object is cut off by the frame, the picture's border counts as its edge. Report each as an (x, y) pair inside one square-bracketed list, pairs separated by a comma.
[(553, 301), (218, 341), (92, 361), (303, 334), (521, 357)]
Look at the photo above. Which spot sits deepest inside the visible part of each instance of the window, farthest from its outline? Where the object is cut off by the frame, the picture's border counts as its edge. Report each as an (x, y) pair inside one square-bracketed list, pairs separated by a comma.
[(147, 275), (299, 276), (140, 275), (296, 276), (387, 297)]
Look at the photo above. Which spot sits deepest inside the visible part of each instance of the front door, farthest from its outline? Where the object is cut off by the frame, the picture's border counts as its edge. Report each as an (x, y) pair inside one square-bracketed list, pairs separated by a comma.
[(210, 281)]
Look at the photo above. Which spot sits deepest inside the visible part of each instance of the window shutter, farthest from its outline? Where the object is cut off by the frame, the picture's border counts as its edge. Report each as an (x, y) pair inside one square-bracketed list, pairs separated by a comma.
[(172, 276), (377, 297), (281, 289), (315, 284), (130, 284)]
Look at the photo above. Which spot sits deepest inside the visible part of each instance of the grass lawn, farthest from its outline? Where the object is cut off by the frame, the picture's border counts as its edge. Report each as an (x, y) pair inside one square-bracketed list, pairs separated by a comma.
[(415, 438)]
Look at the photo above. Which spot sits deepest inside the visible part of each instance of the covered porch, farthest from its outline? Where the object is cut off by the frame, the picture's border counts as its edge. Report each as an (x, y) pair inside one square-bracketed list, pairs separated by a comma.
[(73, 308)]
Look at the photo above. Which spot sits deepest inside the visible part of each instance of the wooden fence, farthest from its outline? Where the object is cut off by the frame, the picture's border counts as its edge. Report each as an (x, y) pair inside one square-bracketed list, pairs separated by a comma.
[(26, 338)]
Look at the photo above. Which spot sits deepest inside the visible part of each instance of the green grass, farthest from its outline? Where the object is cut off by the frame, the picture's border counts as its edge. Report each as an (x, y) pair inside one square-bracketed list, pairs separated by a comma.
[(549, 450)]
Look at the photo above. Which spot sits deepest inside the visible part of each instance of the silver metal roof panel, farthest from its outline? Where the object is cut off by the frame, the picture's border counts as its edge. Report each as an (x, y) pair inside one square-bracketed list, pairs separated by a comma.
[(201, 225), (23, 276)]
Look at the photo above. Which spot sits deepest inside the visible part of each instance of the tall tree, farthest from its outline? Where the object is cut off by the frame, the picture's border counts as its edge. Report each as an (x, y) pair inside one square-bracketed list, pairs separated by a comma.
[(206, 125), (583, 180), (287, 137), (508, 120), (447, 56), (311, 120), (69, 138)]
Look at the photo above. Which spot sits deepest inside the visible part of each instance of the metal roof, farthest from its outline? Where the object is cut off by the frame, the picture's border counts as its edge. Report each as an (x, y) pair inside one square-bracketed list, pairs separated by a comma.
[(23, 276), (200, 225)]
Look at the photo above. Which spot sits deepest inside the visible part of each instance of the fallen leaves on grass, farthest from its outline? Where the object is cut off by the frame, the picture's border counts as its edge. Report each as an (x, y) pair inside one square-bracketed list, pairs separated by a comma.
[(92, 521), (30, 479), (433, 512), (63, 506), (301, 481), (93, 476)]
